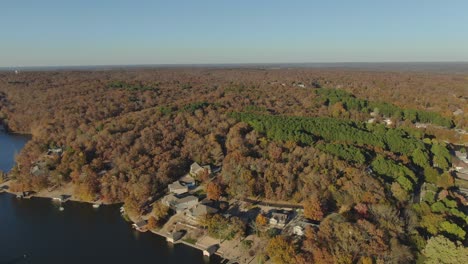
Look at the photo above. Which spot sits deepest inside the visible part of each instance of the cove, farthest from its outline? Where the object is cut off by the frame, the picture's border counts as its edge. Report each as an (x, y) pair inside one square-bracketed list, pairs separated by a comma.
[(36, 231)]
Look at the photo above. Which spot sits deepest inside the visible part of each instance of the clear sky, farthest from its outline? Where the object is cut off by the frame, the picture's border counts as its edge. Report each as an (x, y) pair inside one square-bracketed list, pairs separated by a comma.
[(105, 32)]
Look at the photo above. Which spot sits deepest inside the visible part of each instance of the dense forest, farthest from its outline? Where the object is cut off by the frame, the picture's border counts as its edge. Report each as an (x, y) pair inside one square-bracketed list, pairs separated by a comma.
[(292, 135)]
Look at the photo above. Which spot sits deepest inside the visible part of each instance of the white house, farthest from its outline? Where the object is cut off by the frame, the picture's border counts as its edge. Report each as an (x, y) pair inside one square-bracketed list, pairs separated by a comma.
[(298, 230), (388, 121)]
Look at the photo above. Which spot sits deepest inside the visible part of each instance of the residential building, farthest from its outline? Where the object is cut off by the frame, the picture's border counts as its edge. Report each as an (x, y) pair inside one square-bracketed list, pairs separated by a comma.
[(462, 155), (298, 230), (459, 165), (141, 225), (55, 151), (201, 210), (196, 169), (279, 218), (188, 181), (186, 203), (178, 203), (177, 188), (462, 176), (175, 236)]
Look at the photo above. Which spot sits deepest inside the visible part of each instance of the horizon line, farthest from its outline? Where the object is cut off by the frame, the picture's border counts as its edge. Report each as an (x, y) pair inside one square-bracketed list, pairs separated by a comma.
[(77, 66)]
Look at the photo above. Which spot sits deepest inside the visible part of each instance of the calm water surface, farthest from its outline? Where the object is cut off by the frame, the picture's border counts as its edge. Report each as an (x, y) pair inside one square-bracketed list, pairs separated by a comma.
[(35, 231), (10, 145)]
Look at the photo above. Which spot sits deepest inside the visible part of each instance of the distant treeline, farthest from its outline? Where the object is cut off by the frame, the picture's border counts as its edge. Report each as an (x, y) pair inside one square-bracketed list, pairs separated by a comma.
[(17, 82), (350, 102), (130, 87)]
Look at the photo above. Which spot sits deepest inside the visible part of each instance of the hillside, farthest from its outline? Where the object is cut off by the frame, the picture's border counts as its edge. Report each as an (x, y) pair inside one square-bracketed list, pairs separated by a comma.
[(369, 153)]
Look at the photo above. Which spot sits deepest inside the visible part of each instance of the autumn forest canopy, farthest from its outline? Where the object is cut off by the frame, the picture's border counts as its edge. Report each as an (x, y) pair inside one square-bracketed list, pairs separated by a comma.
[(368, 154)]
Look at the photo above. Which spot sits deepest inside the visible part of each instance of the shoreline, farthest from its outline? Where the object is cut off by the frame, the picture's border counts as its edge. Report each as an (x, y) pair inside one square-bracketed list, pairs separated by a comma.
[(45, 194), (151, 232), (6, 129), (131, 218)]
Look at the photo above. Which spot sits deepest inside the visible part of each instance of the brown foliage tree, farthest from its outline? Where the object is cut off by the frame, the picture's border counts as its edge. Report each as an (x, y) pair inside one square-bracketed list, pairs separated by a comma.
[(281, 251), (313, 209), (213, 191)]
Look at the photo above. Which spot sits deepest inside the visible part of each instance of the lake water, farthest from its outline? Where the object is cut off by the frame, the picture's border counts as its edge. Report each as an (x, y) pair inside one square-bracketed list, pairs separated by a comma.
[(10, 145), (35, 231)]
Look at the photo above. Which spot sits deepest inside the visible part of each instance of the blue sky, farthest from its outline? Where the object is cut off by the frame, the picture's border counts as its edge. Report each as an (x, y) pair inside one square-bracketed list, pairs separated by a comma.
[(105, 32)]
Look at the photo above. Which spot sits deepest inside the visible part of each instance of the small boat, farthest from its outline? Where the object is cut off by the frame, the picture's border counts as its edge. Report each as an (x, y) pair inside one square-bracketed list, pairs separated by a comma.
[(61, 208), (96, 205)]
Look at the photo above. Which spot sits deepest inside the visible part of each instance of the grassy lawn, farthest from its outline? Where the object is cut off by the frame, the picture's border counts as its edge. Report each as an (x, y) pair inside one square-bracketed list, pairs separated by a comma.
[(190, 240)]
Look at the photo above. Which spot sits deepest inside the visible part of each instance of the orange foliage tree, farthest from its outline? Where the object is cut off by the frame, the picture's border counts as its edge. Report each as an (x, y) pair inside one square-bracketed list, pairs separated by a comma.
[(213, 191), (313, 209)]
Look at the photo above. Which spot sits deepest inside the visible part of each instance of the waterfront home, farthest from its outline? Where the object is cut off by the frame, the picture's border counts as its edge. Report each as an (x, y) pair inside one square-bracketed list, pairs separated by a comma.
[(4, 188), (196, 169), (179, 203), (279, 218), (201, 210), (210, 250), (177, 188), (141, 225), (62, 198), (26, 194), (175, 236)]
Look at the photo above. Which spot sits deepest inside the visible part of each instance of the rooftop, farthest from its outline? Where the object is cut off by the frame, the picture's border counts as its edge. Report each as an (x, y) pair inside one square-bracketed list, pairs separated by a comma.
[(177, 186)]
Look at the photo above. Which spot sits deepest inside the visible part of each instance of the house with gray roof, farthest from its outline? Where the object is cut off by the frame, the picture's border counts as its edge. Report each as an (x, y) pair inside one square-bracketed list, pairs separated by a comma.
[(178, 203), (196, 169), (201, 210), (177, 188)]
